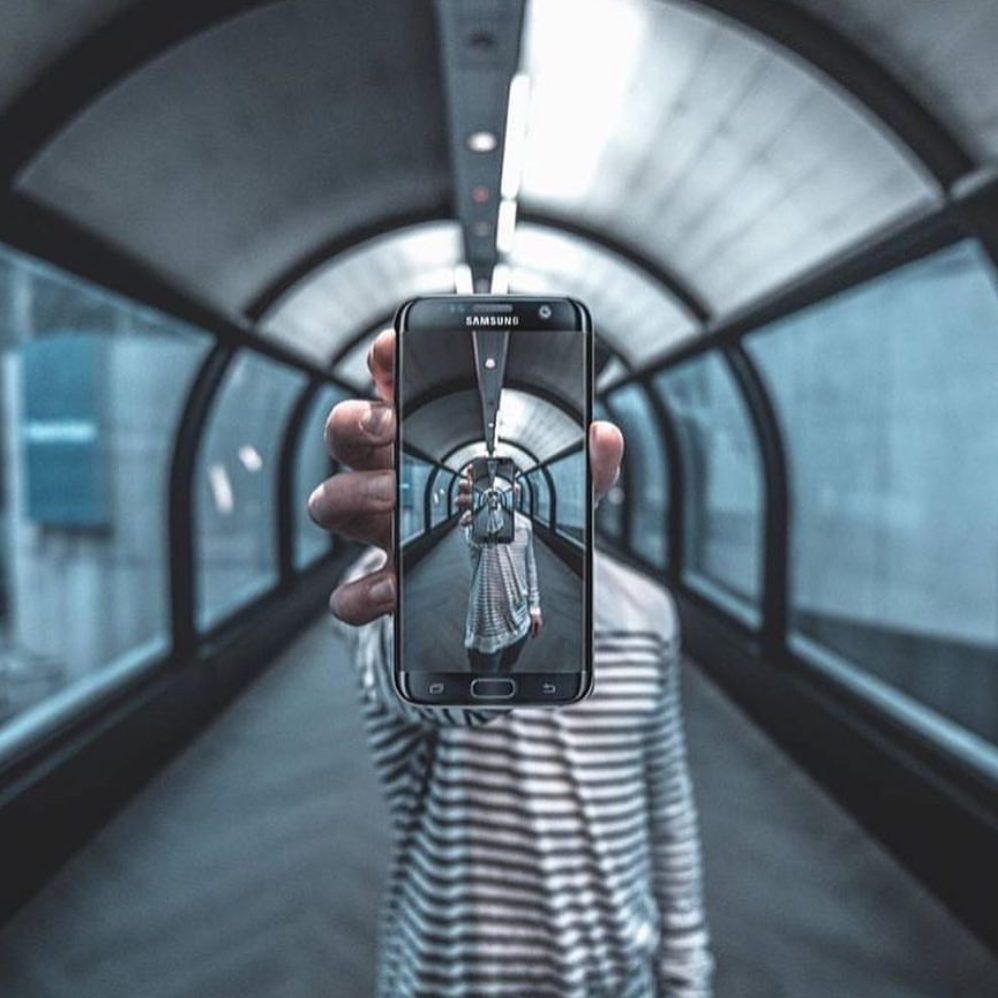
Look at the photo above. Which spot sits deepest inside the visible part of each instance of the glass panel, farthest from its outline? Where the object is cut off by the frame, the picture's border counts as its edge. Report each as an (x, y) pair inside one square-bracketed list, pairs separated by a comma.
[(542, 497), (91, 391), (888, 397), (722, 484), (438, 501), (312, 465), (414, 479), (645, 471), (569, 485), (235, 486)]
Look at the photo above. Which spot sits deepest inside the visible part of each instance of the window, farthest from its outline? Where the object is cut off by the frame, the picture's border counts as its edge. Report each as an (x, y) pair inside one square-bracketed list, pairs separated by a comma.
[(414, 480), (645, 471), (92, 389), (722, 484), (312, 465), (569, 477), (542, 497), (888, 399), (236, 485), (438, 500)]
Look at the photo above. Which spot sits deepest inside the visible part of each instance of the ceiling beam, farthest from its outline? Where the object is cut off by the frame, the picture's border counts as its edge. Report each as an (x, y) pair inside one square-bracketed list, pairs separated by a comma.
[(480, 52)]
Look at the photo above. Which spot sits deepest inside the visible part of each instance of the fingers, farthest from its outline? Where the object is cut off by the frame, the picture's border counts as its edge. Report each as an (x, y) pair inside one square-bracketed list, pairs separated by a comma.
[(360, 434), (381, 364), (606, 449), (358, 505), (366, 599)]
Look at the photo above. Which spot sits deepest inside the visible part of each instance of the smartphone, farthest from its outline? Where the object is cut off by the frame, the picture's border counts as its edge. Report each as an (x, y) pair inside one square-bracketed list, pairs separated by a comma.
[(493, 526), (492, 485)]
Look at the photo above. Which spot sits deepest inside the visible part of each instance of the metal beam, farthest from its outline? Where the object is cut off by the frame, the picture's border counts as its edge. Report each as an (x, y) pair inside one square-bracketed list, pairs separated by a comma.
[(480, 53), (182, 519), (777, 508), (286, 468), (675, 484), (96, 64), (903, 243), (44, 233)]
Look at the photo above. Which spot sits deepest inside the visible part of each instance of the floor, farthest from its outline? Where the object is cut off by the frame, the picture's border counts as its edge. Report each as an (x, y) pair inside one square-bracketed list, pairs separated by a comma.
[(251, 866)]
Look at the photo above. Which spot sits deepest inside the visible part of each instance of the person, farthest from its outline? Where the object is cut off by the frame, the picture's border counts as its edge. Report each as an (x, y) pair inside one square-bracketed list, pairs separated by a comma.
[(504, 601), (539, 853)]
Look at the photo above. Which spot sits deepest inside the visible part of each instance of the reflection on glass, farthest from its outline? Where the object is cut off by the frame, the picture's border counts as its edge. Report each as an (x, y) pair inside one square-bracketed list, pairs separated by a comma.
[(722, 484), (646, 469), (888, 399), (91, 391), (236, 538), (312, 465)]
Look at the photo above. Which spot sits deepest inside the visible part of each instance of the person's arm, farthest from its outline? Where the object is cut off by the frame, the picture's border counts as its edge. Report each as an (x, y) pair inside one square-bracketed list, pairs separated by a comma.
[(533, 589), (684, 964)]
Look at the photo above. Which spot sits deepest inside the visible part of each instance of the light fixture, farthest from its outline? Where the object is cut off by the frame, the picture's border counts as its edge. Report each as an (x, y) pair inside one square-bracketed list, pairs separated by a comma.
[(463, 283), (516, 135), (506, 225), (500, 279), (490, 363), (482, 141)]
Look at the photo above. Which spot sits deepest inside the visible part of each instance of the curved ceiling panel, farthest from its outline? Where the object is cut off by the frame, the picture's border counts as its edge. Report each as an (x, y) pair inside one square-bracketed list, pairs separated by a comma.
[(359, 289), (34, 34), (944, 53), (717, 154), (234, 155), (636, 317)]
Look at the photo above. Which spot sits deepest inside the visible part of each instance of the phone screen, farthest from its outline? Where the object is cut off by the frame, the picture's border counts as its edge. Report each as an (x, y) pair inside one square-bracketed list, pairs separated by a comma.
[(493, 525)]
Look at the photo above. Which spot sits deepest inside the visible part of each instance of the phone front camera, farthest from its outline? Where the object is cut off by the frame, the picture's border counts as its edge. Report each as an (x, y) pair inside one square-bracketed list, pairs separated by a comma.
[(544, 311)]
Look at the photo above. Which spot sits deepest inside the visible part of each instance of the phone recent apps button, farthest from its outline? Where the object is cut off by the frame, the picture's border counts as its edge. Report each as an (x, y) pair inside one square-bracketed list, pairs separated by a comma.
[(436, 689)]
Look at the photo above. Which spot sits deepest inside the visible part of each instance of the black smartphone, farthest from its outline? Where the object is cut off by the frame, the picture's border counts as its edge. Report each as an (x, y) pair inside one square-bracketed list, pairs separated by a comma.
[(493, 525)]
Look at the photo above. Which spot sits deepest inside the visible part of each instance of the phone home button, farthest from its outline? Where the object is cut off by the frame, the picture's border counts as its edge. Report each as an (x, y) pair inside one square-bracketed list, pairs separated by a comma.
[(493, 689)]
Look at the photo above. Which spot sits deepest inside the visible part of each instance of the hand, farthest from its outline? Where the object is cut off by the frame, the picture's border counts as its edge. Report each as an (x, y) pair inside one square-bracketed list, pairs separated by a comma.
[(536, 623), (359, 504)]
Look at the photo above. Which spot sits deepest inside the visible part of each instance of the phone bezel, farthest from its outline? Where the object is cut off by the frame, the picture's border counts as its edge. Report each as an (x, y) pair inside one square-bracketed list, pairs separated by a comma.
[(448, 312)]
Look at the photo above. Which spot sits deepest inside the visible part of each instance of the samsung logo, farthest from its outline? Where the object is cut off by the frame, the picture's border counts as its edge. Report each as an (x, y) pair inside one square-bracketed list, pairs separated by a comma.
[(491, 320)]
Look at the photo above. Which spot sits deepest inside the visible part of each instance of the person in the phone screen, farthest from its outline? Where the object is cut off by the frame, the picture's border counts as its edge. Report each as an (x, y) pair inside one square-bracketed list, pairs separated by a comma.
[(504, 603)]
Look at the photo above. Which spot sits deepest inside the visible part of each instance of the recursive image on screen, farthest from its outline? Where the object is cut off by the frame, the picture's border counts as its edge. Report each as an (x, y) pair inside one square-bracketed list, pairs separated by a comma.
[(493, 500)]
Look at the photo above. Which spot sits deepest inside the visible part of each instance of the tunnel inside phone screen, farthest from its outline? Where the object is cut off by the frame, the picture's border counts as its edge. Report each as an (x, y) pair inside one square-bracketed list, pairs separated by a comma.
[(494, 500)]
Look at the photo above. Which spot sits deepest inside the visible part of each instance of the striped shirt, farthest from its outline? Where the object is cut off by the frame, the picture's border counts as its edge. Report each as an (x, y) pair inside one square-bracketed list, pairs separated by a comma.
[(544, 853), (504, 589)]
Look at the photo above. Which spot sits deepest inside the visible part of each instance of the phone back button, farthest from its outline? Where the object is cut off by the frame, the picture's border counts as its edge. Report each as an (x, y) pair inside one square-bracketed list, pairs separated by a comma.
[(493, 689)]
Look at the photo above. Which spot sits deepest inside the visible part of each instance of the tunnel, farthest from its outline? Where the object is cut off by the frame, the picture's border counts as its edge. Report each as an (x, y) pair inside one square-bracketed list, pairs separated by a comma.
[(783, 218)]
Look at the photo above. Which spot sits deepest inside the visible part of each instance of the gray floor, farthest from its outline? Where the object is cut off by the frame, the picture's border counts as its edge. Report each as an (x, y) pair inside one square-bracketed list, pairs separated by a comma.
[(436, 608), (251, 867)]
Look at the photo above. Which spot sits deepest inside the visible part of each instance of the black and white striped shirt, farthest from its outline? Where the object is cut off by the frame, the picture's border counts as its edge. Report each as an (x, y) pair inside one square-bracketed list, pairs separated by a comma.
[(545, 853), (504, 589)]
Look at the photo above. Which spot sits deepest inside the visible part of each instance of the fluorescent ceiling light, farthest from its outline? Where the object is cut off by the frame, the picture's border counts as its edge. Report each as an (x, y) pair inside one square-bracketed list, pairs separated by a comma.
[(516, 134), (506, 225)]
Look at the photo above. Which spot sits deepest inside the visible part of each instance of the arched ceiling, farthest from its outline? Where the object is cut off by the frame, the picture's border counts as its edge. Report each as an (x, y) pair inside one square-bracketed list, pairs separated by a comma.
[(254, 140), (265, 136), (944, 53)]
